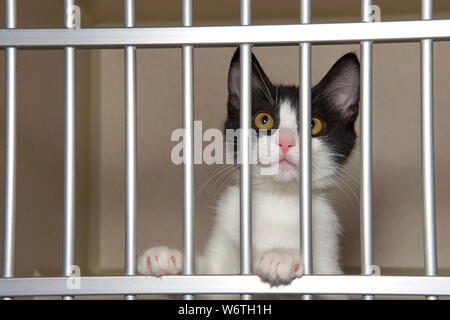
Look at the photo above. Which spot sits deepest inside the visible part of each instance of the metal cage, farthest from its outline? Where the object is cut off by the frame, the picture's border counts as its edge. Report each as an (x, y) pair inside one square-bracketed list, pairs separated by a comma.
[(246, 35)]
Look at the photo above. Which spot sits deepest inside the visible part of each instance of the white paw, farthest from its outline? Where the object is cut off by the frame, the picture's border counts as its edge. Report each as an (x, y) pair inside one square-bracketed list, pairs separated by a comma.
[(160, 261), (278, 267)]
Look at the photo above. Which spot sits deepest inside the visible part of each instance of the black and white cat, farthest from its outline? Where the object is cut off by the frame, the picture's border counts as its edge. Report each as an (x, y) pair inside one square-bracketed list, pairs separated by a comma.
[(275, 197)]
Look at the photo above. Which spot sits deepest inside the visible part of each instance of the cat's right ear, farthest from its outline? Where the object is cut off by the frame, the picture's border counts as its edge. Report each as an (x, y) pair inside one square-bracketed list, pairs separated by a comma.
[(260, 81), (234, 75)]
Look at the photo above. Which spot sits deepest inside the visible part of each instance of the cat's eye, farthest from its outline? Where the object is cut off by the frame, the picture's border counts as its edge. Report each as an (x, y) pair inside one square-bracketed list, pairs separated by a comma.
[(263, 120), (316, 126)]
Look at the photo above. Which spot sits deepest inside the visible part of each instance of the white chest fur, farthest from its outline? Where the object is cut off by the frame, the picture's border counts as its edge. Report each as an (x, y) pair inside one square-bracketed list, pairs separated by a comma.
[(275, 223)]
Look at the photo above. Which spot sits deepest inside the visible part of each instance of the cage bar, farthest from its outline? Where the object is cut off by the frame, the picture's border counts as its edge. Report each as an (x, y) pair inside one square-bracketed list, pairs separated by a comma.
[(11, 143), (69, 150), (427, 121), (245, 147), (188, 150), (366, 149), (129, 38), (210, 36), (305, 137), (229, 284), (131, 147)]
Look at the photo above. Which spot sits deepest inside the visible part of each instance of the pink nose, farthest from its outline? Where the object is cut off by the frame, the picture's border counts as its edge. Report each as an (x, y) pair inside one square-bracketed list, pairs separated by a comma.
[(286, 141)]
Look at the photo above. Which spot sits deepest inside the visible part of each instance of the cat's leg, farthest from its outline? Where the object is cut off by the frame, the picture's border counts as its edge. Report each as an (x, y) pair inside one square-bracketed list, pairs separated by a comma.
[(160, 261), (220, 256), (326, 230), (328, 266), (327, 263), (279, 266)]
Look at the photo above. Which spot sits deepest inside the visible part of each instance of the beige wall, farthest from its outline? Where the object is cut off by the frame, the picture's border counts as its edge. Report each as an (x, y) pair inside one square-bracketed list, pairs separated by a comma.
[(40, 157), (40, 150), (100, 140)]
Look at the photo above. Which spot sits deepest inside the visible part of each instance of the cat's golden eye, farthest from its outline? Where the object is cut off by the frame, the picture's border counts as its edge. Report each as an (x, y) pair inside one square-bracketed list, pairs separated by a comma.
[(263, 120), (316, 126)]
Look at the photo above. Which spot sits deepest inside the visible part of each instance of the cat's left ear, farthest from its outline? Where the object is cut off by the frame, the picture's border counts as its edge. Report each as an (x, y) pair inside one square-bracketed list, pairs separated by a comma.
[(340, 87)]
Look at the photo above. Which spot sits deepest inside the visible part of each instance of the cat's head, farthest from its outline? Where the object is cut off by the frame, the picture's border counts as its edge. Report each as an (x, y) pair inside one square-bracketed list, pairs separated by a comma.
[(275, 117)]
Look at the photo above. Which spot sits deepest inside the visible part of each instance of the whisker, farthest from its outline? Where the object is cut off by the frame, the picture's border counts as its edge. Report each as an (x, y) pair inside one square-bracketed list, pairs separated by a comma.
[(265, 84), (220, 171), (267, 94), (349, 188), (224, 183), (327, 91), (276, 94), (348, 174)]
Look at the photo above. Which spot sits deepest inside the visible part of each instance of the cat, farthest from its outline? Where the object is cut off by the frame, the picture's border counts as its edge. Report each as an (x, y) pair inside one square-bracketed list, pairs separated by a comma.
[(275, 197)]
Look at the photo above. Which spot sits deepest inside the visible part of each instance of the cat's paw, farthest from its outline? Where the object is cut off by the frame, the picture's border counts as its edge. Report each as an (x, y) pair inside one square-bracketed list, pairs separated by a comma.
[(160, 261), (278, 267)]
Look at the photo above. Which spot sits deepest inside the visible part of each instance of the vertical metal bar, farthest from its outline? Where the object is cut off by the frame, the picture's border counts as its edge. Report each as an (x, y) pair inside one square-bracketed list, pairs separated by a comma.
[(305, 137), (11, 129), (366, 149), (428, 194), (131, 150), (188, 150), (69, 149), (245, 148)]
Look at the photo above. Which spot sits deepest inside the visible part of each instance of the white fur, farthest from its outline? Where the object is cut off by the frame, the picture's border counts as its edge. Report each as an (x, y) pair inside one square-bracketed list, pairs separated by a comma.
[(275, 228), (275, 218)]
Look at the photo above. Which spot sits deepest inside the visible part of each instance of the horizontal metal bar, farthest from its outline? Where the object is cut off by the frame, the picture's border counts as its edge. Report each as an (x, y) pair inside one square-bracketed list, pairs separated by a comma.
[(397, 31), (225, 284)]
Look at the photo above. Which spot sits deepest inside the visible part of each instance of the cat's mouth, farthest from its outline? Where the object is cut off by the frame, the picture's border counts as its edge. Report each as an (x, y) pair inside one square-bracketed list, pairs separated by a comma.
[(286, 165), (282, 165)]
